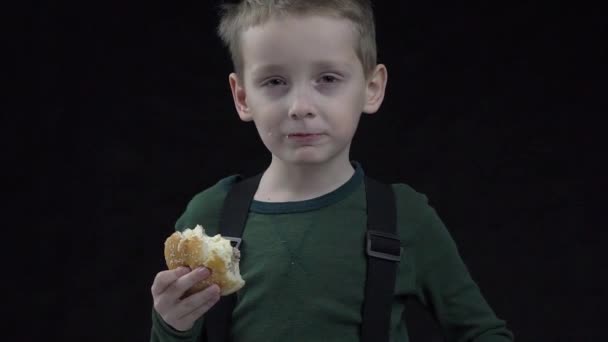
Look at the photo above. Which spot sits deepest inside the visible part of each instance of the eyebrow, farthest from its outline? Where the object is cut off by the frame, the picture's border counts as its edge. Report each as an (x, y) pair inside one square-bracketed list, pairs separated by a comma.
[(329, 64), (323, 64), (266, 69)]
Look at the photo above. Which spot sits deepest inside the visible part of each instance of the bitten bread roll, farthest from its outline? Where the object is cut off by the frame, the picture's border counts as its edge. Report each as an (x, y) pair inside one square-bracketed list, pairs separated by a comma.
[(193, 248)]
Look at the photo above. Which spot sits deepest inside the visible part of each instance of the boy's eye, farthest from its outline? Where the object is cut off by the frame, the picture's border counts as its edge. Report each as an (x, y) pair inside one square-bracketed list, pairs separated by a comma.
[(273, 82), (329, 79)]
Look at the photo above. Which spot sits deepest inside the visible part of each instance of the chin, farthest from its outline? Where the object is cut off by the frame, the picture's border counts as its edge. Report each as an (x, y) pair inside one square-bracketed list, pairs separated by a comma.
[(311, 155), (304, 160), (308, 158), (307, 162)]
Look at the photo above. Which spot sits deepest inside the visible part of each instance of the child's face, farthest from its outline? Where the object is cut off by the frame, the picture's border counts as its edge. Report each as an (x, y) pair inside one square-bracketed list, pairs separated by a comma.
[(304, 87)]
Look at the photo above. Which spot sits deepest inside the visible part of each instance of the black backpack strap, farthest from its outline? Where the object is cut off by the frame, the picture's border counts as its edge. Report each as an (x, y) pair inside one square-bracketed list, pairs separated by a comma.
[(383, 249), (232, 223)]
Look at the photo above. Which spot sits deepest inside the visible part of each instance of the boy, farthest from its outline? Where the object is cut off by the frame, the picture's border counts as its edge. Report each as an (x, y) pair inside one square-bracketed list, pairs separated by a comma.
[(304, 72)]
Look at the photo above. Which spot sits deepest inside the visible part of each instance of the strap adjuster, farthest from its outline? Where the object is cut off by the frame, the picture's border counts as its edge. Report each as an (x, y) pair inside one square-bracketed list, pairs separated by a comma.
[(234, 242), (385, 245)]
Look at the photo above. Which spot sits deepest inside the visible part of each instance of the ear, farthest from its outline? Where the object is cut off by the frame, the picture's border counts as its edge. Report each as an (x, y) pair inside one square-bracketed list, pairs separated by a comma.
[(240, 97), (374, 93)]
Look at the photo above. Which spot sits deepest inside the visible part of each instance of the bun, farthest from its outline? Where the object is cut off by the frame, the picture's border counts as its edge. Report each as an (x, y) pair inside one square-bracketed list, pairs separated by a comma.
[(193, 248)]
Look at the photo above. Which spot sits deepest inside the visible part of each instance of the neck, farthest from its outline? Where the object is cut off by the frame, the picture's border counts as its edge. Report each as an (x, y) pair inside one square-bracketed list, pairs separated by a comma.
[(284, 182)]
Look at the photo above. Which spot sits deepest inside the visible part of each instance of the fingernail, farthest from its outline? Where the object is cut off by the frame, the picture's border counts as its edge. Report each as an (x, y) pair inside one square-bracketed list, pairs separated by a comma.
[(203, 271)]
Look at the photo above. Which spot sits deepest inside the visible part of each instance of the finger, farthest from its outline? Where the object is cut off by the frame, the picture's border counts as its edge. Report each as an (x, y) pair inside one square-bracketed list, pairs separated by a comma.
[(203, 300), (177, 289), (194, 301), (196, 314), (164, 279), (169, 300), (201, 303), (186, 322)]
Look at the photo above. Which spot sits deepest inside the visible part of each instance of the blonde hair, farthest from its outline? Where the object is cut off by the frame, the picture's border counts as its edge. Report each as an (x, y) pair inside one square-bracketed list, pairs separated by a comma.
[(236, 18)]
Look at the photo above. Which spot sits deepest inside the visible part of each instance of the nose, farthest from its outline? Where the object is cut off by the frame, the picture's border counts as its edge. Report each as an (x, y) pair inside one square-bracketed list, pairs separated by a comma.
[(301, 105)]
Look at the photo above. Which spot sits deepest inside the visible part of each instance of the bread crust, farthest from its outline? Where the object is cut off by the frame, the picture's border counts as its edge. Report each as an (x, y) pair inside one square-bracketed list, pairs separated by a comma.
[(191, 251)]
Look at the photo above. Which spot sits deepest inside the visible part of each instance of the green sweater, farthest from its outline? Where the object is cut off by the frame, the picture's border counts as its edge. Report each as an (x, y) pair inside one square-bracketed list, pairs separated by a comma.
[(304, 265)]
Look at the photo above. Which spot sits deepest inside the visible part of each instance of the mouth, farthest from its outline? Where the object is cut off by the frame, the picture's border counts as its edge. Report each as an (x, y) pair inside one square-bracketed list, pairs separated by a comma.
[(302, 134), (304, 137)]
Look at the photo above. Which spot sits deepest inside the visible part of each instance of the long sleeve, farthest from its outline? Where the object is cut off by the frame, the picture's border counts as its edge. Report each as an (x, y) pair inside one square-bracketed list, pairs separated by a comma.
[(446, 287), (162, 332)]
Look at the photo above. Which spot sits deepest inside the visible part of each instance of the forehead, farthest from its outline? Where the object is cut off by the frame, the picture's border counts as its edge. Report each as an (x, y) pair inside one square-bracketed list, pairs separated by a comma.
[(300, 40)]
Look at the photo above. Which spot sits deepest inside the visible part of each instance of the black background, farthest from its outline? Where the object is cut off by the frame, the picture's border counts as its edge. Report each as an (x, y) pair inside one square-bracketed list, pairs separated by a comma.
[(488, 112)]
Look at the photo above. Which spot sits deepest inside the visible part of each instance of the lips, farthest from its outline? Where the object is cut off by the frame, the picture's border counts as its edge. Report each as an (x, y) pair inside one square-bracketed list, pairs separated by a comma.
[(302, 134), (305, 137)]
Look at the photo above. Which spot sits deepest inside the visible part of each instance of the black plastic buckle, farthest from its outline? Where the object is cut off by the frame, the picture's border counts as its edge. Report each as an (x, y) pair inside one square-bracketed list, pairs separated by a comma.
[(234, 242), (383, 254)]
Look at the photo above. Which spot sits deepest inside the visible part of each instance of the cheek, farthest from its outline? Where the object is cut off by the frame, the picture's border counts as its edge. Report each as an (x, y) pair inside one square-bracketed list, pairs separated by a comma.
[(349, 109), (354, 98), (268, 125), (267, 134)]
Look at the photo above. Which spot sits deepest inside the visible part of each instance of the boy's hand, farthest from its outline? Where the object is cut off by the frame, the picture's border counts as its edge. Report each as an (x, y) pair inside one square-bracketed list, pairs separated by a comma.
[(168, 290)]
